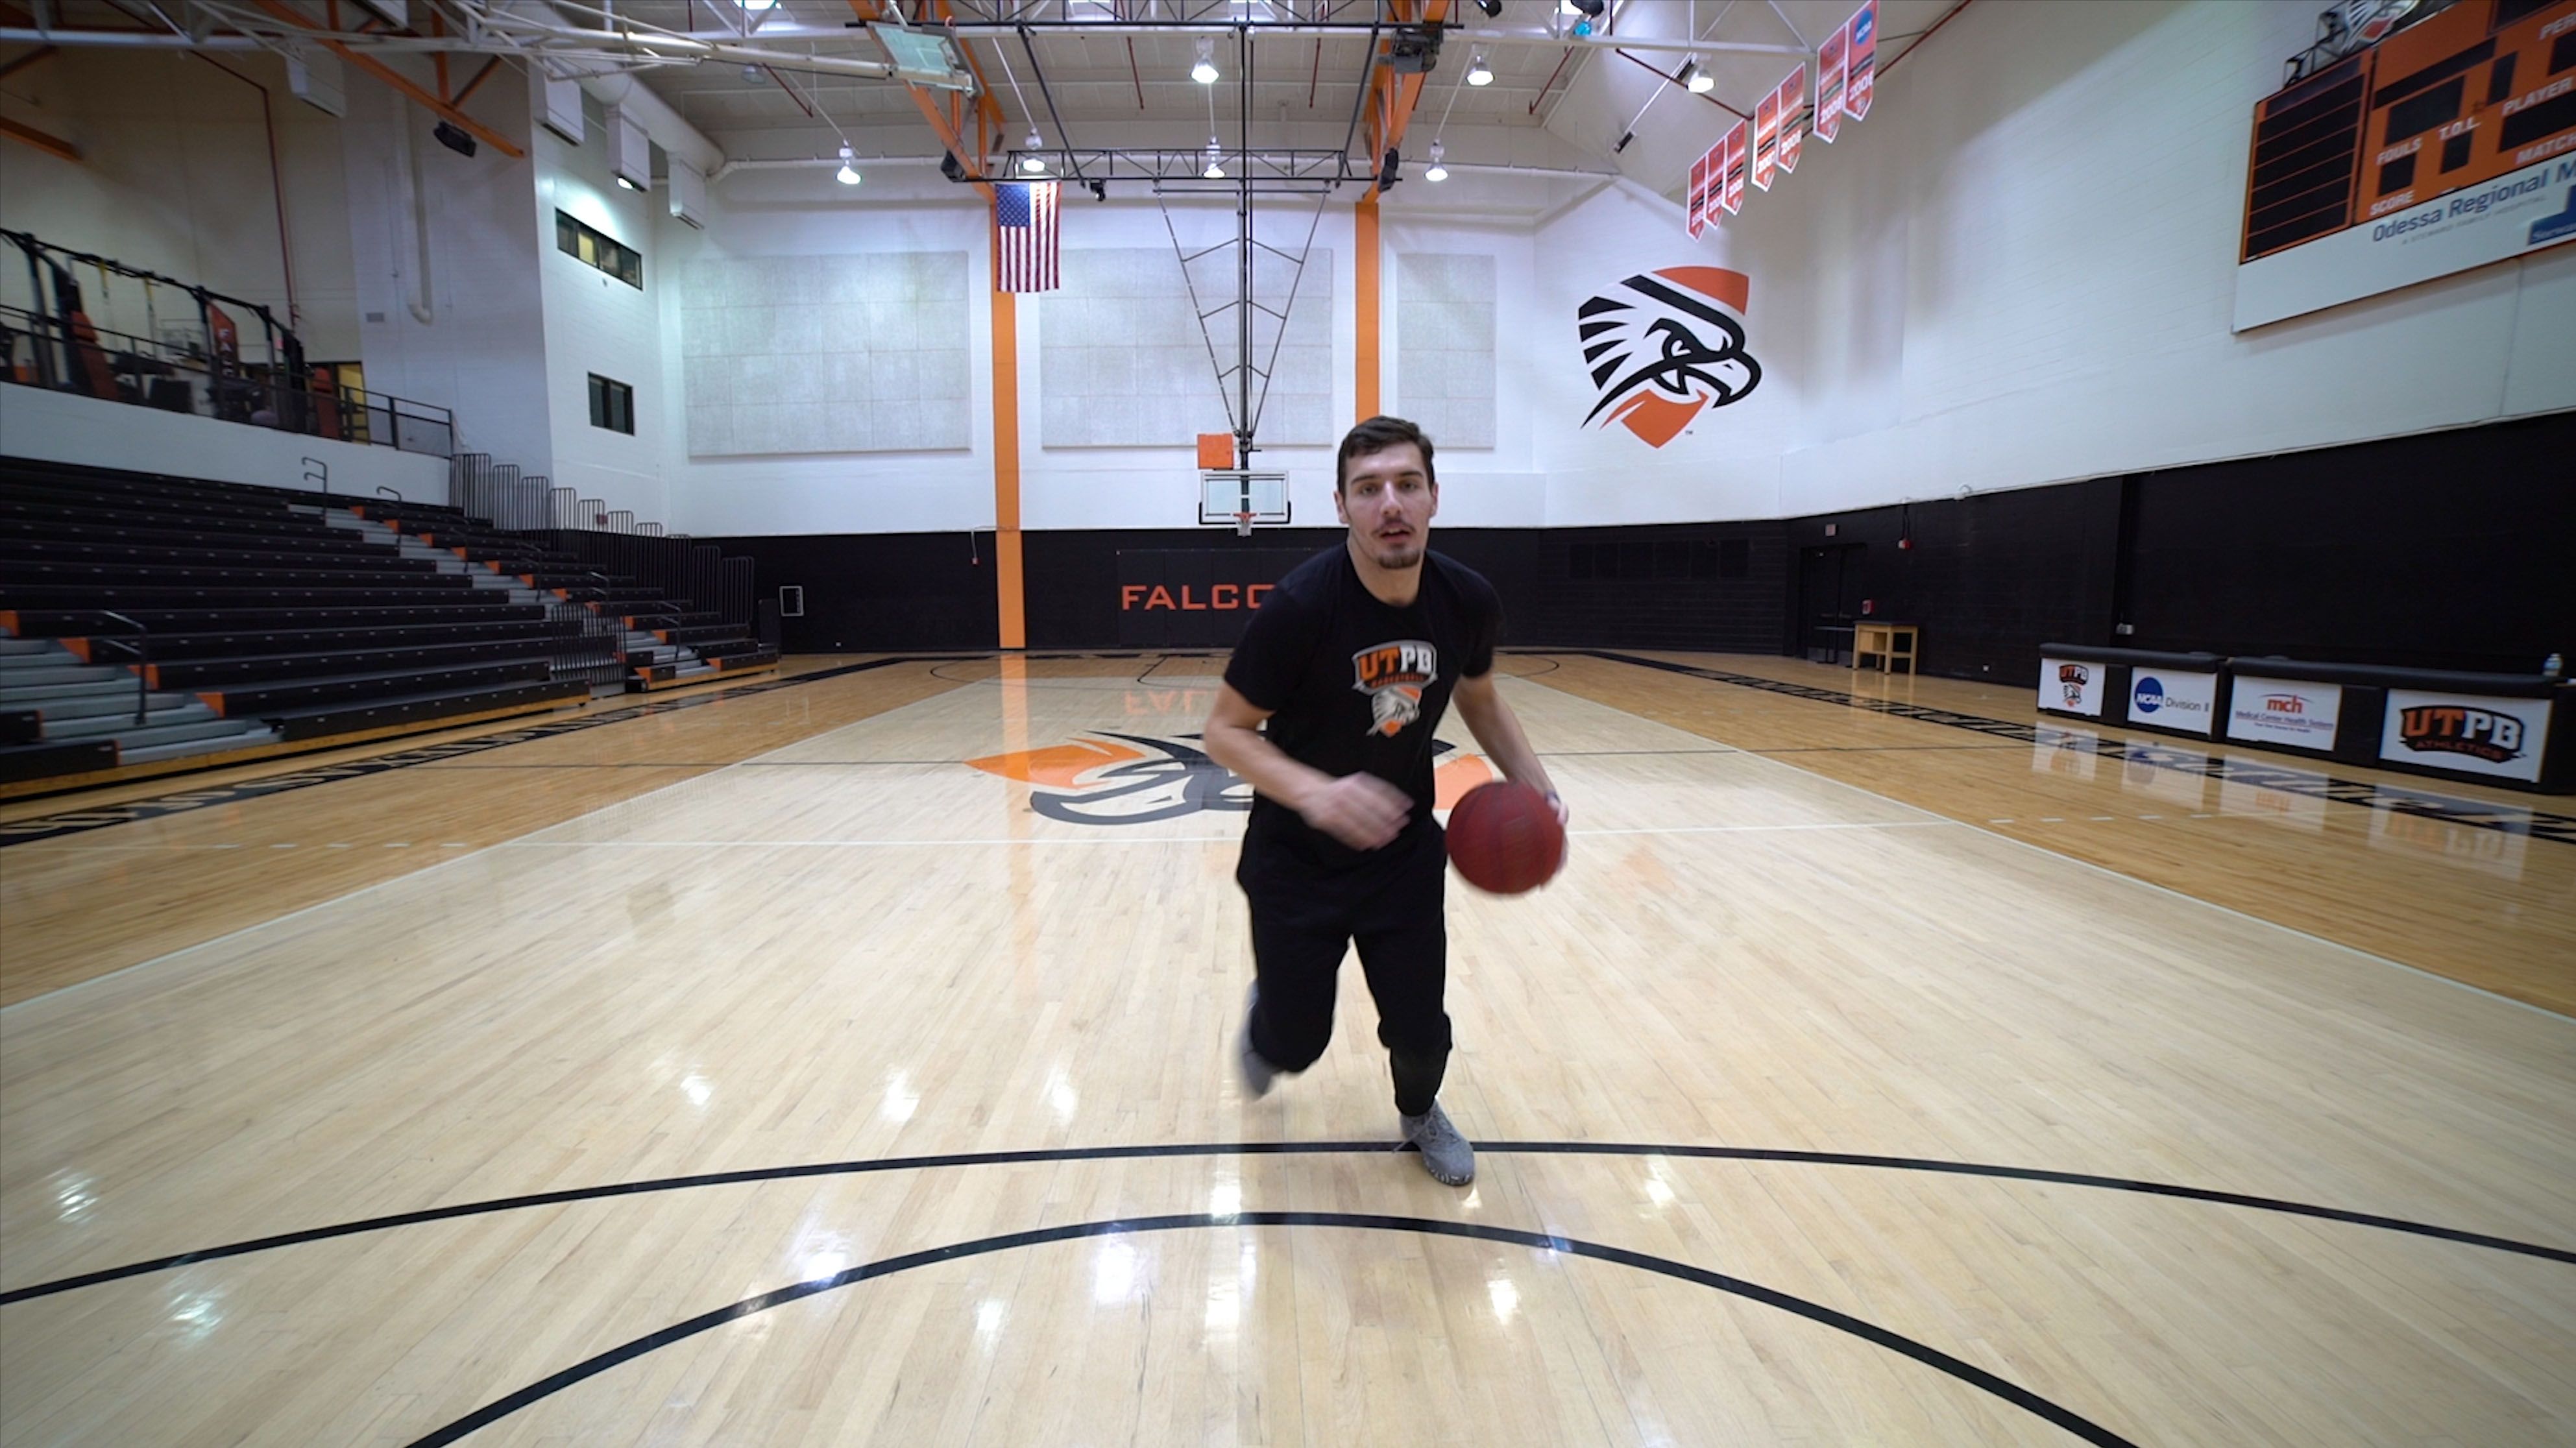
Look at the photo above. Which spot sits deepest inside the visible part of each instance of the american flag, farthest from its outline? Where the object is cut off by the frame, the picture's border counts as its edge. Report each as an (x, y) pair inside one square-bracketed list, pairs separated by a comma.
[(1024, 237)]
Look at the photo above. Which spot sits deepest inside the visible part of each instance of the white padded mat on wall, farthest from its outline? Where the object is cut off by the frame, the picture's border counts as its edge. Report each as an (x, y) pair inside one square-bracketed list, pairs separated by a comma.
[(1122, 362), (819, 354), (1444, 346)]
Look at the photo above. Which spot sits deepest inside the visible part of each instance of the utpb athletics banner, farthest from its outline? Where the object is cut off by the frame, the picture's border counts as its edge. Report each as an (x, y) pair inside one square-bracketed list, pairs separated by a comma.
[(2521, 212), (2465, 734)]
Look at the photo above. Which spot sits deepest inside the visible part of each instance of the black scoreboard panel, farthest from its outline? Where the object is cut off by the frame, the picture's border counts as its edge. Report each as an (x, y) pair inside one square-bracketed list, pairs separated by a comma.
[(2471, 92)]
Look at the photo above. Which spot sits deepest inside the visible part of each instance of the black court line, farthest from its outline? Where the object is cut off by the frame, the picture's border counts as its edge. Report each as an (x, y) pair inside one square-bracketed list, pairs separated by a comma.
[(1869, 1332), (1265, 1148), (2424, 804)]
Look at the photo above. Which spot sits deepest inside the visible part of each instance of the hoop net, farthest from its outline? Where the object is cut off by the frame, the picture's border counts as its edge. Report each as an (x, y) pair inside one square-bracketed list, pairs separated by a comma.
[(1243, 525)]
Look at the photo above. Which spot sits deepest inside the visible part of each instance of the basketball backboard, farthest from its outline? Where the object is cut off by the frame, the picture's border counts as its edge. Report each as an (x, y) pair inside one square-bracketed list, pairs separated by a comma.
[(1242, 499)]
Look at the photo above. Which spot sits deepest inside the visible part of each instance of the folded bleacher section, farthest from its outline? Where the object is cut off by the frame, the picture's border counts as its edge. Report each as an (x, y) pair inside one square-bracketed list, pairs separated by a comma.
[(150, 623)]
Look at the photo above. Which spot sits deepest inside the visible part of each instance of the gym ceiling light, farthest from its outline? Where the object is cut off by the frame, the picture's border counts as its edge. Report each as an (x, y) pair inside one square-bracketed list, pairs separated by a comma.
[(1697, 77), (1437, 172), (1032, 163), (1215, 161), (848, 175), (1479, 73), (1204, 72)]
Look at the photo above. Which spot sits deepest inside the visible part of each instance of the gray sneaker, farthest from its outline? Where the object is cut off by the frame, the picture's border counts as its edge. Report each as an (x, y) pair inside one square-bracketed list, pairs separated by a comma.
[(1445, 1154), (1257, 1073)]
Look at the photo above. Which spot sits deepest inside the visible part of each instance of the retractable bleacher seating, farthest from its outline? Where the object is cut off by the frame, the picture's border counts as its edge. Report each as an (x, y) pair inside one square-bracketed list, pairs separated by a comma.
[(150, 619), (666, 640)]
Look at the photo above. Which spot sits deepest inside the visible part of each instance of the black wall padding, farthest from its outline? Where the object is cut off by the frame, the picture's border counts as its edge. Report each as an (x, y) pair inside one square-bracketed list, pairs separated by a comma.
[(873, 592), (2452, 550), (1989, 577), (2449, 550)]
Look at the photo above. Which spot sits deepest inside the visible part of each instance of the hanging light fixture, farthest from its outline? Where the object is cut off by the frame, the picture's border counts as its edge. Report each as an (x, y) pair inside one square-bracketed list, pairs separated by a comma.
[(1215, 161), (848, 175), (1479, 73), (1697, 77), (1204, 72), (1032, 163), (1437, 172)]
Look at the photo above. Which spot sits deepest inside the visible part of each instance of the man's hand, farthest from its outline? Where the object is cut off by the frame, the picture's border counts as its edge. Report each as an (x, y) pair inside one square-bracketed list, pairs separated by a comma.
[(1360, 810)]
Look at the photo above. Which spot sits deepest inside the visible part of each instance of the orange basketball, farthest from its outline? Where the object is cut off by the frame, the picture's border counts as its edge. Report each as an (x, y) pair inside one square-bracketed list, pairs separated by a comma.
[(1505, 839)]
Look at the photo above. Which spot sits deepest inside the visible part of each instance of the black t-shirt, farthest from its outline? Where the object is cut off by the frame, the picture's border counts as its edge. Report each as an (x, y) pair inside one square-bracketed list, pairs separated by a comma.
[(1356, 684)]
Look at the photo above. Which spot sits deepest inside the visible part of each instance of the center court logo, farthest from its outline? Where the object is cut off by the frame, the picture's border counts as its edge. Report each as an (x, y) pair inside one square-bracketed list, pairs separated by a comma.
[(1133, 779), (1665, 346), (1120, 779)]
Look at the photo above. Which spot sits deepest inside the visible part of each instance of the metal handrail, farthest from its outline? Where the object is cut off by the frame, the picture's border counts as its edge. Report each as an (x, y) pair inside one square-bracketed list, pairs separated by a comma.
[(354, 414), (142, 646)]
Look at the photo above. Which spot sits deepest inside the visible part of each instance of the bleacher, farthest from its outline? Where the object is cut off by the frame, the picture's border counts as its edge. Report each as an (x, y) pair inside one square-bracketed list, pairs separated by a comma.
[(146, 620)]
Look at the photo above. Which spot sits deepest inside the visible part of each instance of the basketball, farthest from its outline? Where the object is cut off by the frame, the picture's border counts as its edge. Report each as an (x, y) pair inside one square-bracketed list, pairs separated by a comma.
[(1504, 838)]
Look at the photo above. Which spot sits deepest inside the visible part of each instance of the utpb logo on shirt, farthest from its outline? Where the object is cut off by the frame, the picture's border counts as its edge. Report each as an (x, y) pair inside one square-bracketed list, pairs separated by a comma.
[(1394, 675)]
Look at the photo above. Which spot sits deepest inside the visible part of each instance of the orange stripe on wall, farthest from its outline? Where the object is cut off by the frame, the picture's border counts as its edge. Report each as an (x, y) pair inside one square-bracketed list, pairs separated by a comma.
[(1006, 470), (1364, 393)]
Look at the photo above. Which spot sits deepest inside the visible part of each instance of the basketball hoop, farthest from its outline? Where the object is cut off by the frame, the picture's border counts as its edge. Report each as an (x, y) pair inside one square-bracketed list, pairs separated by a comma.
[(1248, 500)]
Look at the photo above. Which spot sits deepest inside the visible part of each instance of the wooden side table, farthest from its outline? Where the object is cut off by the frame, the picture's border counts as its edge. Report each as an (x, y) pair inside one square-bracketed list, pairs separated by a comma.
[(1889, 643)]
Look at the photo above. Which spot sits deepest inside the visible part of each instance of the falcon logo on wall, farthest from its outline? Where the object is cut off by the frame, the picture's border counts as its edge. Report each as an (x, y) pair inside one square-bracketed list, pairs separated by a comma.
[(1664, 347)]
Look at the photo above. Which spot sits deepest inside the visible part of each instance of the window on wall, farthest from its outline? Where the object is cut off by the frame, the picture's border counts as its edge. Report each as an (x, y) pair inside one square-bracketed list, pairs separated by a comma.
[(622, 262), (612, 405)]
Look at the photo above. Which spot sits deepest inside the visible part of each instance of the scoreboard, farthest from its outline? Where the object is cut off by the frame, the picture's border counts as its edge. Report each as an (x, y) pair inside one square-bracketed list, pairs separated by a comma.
[(2412, 133)]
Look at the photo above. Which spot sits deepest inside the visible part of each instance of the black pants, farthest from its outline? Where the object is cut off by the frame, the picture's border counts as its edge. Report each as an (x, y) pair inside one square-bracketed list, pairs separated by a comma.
[(1305, 917)]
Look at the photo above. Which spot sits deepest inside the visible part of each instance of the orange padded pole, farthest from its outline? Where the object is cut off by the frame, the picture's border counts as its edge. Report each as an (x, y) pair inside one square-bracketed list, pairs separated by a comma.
[(1006, 471)]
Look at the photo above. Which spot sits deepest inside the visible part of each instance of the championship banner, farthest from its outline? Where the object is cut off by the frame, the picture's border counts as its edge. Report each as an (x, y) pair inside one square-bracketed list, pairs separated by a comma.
[(1730, 193), (1766, 139), (1793, 98), (1860, 59), (1695, 204), (1829, 87)]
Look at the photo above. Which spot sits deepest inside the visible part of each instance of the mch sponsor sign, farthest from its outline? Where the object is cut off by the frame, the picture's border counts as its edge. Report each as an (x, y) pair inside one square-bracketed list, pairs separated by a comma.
[(2465, 734), (2292, 712)]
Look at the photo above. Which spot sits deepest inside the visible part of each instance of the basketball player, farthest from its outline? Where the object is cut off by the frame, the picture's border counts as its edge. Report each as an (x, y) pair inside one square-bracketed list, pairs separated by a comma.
[(1327, 710)]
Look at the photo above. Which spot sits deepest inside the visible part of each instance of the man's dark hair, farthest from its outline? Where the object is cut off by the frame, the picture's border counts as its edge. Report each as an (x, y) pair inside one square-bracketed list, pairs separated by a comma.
[(1376, 435)]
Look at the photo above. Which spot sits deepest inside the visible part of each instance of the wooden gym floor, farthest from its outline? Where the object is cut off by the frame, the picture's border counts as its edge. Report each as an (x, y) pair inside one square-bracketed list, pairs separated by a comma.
[(844, 1059)]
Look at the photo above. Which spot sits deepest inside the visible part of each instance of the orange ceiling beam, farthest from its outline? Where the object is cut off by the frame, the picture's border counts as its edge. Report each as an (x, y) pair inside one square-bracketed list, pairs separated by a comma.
[(950, 113), (1392, 96), (29, 135), (402, 83)]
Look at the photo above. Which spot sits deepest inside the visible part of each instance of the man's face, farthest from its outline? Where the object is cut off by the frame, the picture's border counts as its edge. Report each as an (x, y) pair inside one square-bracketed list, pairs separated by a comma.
[(1387, 500)]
